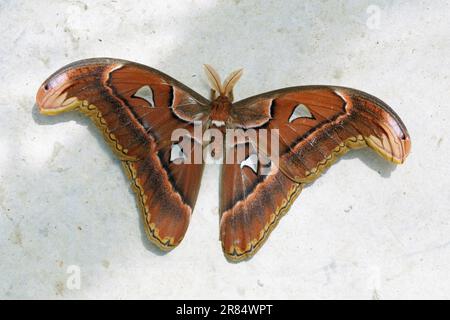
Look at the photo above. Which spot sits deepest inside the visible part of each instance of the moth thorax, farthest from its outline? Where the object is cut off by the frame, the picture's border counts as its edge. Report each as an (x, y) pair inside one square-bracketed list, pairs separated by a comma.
[(220, 109), (222, 94)]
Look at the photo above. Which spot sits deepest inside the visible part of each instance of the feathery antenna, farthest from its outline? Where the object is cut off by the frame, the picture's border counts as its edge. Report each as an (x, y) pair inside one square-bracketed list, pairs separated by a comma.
[(225, 88)]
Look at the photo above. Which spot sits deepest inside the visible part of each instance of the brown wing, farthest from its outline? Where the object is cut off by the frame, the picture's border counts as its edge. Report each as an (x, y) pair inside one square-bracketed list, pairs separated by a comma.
[(251, 203), (137, 109), (316, 124)]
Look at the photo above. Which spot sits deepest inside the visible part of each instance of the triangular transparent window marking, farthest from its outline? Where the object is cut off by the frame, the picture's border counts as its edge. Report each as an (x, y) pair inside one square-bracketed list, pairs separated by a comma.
[(145, 93), (177, 153), (300, 111), (251, 162)]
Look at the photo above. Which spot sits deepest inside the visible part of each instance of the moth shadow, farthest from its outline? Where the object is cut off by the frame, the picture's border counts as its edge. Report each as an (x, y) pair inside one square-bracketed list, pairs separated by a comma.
[(81, 119), (45, 120), (148, 245), (372, 160)]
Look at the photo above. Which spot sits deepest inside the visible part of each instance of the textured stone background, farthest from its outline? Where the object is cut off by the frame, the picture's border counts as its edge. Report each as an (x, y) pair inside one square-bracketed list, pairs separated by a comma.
[(364, 230)]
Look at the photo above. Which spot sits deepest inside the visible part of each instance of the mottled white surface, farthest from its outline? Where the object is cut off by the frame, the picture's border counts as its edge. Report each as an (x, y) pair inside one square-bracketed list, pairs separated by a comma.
[(364, 230)]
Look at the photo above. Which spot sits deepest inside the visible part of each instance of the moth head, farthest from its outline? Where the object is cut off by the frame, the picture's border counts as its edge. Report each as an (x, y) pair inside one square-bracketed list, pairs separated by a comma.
[(53, 96), (225, 88)]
